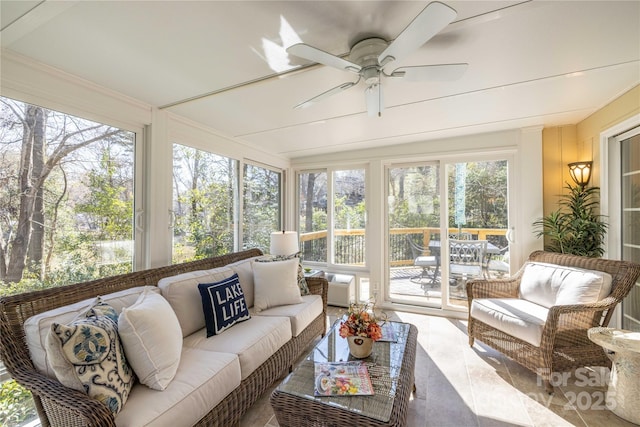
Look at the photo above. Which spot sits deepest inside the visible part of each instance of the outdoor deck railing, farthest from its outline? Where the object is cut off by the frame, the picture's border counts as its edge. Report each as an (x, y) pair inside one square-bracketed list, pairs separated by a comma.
[(350, 244)]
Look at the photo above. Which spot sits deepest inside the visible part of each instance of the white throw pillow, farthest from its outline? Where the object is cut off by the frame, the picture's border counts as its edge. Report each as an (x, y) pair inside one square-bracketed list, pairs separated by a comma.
[(152, 339), (276, 283), (551, 284)]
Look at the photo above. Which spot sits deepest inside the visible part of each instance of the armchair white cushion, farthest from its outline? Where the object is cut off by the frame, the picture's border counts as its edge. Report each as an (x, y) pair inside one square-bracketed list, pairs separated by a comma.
[(517, 317), (542, 286), (550, 284)]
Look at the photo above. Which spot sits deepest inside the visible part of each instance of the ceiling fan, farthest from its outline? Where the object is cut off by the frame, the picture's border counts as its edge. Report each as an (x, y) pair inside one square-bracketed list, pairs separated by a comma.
[(369, 57)]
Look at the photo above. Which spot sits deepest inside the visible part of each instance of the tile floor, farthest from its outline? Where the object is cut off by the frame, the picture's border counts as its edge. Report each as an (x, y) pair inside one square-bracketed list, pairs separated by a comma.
[(460, 386)]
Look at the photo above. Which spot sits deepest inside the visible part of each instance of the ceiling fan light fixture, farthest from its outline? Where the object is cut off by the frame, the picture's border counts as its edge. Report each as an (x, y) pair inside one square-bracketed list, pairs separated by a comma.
[(369, 56), (374, 100), (371, 76)]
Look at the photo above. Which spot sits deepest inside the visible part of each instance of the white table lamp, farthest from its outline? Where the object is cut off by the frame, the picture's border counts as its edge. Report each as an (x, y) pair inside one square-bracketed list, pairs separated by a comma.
[(284, 243)]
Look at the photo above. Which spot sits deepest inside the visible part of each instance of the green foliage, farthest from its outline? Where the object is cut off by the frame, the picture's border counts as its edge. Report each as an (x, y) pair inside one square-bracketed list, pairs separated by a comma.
[(575, 228), (108, 205), (16, 405), (485, 191)]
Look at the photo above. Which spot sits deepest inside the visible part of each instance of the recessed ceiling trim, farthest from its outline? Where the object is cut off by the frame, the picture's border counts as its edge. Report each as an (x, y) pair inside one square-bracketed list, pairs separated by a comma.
[(32, 19), (240, 85), (571, 74)]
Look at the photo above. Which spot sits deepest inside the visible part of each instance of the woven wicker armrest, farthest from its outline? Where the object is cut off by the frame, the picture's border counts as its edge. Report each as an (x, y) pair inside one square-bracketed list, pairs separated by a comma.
[(319, 286), (65, 405), (495, 288), (566, 315)]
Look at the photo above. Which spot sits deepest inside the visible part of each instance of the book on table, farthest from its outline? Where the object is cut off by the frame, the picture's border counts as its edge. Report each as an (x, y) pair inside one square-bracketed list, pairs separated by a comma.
[(342, 379)]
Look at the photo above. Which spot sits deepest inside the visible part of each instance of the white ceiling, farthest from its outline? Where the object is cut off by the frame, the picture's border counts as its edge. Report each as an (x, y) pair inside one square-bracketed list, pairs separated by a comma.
[(223, 64)]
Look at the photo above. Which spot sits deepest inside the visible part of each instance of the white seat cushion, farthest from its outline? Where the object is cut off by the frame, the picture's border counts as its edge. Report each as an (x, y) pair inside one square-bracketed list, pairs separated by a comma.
[(425, 261), (551, 284), (182, 293), (203, 379), (300, 315), (36, 328), (254, 340), (465, 270), (517, 317)]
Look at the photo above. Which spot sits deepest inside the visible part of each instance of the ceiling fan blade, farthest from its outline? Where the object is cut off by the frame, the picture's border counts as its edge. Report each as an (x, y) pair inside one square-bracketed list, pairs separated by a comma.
[(323, 95), (374, 100), (427, 24), (442, 72), (320, 56)]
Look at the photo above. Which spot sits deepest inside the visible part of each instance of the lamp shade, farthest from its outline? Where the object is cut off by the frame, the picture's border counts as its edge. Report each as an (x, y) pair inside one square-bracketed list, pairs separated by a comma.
[(284, 243), (580, 172)]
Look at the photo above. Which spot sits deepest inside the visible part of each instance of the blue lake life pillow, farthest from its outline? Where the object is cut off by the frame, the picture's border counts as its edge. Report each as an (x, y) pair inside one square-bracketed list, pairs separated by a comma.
[(223, 304)]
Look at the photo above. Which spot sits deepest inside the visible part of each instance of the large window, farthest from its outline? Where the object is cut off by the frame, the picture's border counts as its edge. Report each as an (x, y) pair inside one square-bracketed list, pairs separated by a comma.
[(312, 210), (346, 222), (261, 206), (349, 217), (66, 198), (205, 188), (66, 210)]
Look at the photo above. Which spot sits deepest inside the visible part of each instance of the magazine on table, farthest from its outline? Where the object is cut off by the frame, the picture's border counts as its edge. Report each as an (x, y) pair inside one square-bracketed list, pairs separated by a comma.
[(388, 333), (342, 379)]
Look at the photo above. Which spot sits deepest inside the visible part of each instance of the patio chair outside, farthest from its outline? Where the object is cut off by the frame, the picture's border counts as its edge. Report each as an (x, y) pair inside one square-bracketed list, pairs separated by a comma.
[(467, 259), (429, 263)]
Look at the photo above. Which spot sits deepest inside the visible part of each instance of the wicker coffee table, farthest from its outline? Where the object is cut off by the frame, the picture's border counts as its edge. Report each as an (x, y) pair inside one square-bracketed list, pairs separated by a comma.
[(391, 367)]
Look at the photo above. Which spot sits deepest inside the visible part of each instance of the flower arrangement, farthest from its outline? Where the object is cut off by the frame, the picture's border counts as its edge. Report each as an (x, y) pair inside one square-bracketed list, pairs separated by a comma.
[(361, 322)]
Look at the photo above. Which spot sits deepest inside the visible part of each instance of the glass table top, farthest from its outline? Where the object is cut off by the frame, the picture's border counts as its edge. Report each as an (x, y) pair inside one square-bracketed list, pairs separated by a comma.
[(384, 365)]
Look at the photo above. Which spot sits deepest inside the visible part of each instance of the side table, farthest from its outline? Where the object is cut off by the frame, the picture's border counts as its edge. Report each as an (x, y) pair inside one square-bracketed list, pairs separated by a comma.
[(623, 348)]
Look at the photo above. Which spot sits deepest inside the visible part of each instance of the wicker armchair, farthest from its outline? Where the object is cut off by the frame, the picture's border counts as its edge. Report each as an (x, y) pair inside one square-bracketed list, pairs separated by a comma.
[(564, 343)]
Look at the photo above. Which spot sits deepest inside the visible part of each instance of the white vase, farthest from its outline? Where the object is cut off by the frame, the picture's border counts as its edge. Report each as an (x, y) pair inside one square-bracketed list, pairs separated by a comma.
[(360, 347)]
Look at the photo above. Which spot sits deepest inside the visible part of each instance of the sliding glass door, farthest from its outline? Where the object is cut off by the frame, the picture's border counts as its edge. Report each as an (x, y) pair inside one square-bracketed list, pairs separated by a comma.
[(630, 236), (447, 223), (413, 221)]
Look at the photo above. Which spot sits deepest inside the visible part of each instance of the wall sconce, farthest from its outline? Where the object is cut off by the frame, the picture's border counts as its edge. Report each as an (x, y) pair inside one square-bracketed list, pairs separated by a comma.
[(284, 243), (580, 172)]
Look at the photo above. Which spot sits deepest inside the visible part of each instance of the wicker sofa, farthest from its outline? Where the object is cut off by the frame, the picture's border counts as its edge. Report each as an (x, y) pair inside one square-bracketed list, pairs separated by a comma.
[(540, 316), (58, 405)]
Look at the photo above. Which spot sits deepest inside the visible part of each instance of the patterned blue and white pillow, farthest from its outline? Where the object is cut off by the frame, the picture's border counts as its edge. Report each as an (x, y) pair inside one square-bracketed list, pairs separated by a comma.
[(223, 304), (87, 355)]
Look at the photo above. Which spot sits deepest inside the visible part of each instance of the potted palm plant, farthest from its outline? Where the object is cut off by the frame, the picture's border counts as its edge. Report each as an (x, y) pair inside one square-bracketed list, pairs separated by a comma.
[(576, 227)]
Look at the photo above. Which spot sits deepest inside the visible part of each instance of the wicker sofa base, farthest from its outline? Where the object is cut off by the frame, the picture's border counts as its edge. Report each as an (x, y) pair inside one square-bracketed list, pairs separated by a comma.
[(61, 406), (231, 409)]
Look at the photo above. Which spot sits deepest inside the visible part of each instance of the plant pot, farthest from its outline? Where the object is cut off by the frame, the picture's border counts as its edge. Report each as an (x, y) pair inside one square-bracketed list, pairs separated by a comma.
[(360, 347)]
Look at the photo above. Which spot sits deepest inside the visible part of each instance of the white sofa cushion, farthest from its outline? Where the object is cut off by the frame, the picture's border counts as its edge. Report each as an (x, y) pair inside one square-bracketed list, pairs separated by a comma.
[(551, 284), (152, 339), (300, 315), (517, 317), (203, 379), (37, 327), (276, 283), (244, 270), (182, 293), (254, 340)]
